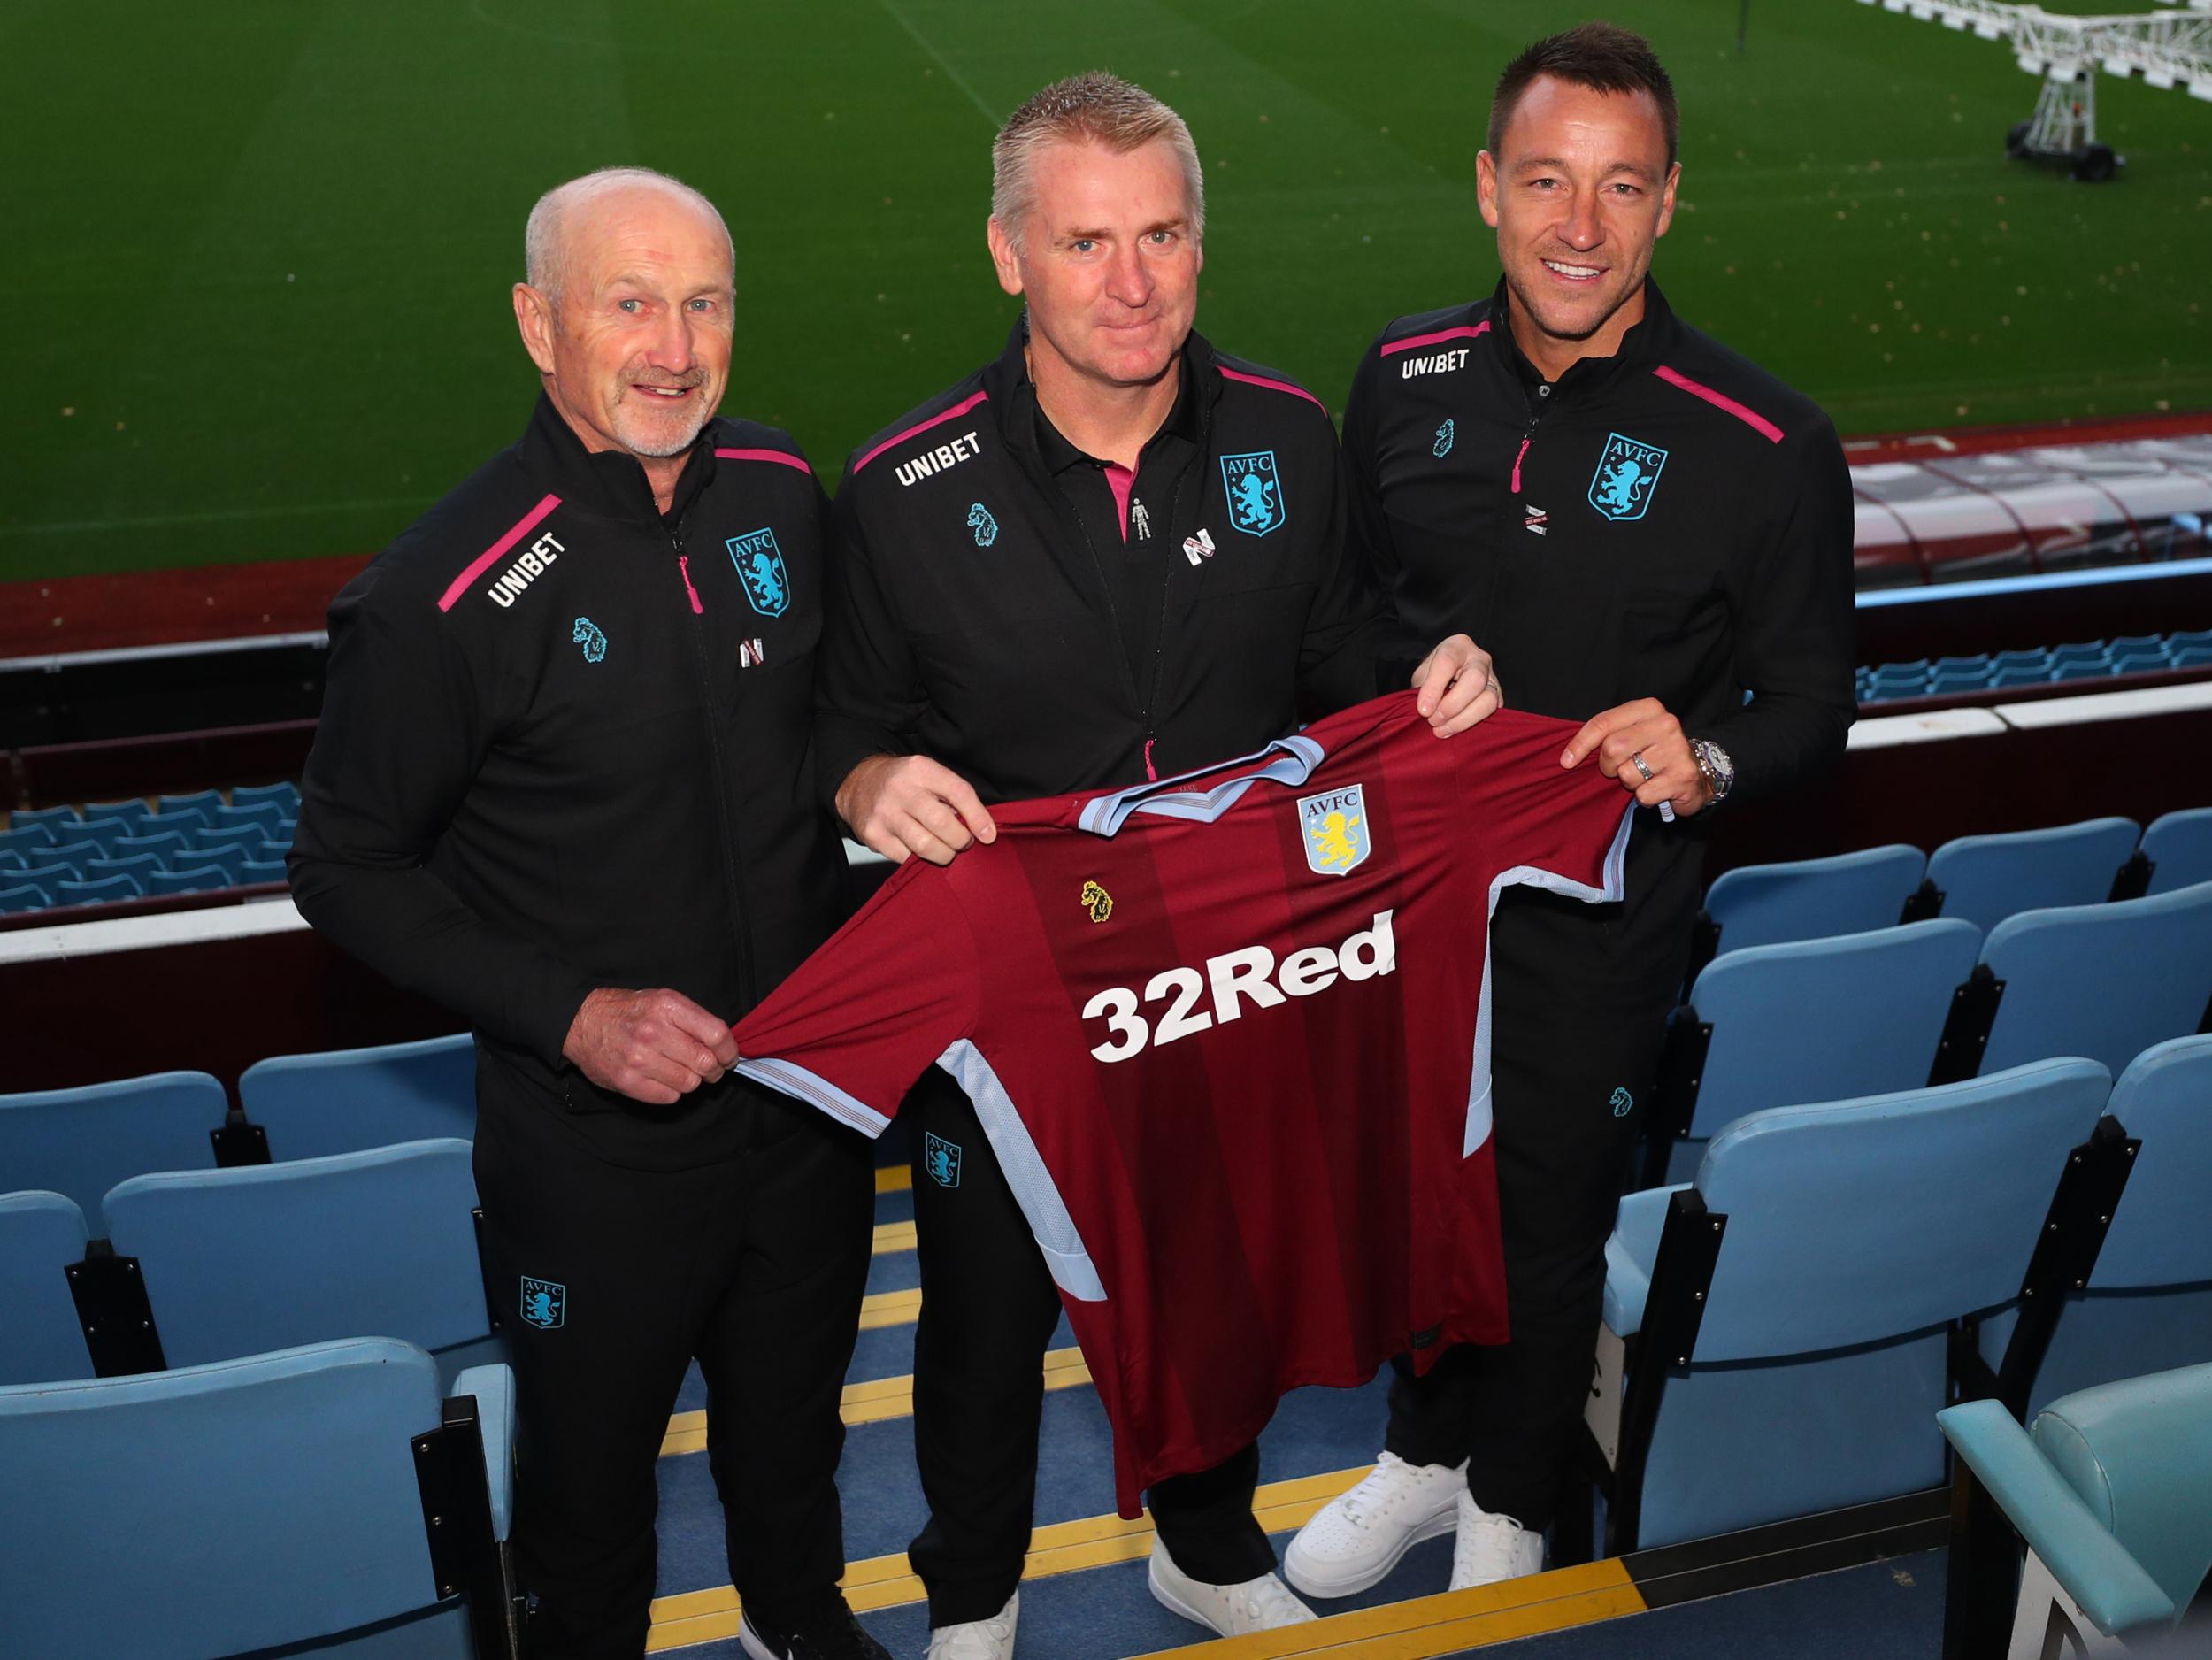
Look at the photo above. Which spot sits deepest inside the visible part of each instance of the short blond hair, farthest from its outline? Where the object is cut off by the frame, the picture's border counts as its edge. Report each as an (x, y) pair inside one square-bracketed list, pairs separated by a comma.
[(1092, 108)]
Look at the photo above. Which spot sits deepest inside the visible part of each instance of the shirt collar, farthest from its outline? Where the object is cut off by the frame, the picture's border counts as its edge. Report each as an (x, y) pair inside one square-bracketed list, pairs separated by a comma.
[(605, 481), (1643, 345)]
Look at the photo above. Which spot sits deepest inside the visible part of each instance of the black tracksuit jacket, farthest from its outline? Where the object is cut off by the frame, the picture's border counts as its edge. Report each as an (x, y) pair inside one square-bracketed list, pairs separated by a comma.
[(972, 621), (1669, 522), (566, 744)]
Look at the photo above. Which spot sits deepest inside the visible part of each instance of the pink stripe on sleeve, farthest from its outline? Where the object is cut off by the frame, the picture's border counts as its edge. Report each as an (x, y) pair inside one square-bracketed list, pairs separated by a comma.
[(956, 410), (785, 456), (1275, 385), (1752, 419), (485, 560), (1464, 332)]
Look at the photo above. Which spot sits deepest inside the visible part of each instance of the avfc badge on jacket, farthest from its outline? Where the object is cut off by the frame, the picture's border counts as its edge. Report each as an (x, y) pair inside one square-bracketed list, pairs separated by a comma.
[(759, 564), (1255, 494), (1627, 473), (544, 1304)]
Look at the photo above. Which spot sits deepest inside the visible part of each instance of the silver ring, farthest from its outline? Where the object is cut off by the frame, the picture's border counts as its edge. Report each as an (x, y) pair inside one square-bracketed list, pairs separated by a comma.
[(1639, 759)]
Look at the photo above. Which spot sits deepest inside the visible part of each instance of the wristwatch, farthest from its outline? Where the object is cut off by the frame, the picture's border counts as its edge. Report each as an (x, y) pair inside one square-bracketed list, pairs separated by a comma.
[(1713, 762)]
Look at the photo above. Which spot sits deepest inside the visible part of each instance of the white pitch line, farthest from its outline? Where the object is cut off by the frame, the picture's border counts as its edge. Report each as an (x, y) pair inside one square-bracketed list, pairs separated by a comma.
[(952, 75)]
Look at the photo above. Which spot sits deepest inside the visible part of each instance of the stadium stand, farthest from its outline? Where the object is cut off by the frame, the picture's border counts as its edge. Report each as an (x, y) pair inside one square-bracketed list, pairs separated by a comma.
[(301, 1497), (1776, 1026), (376, 1243), (1985, 879), (346, 1100), (83, 1141), (2106, 1488), (2103, 980), (2183, 651), (165, 846), (2148, 1305), (2179, 847), (41, 1235), (1776, 1333)]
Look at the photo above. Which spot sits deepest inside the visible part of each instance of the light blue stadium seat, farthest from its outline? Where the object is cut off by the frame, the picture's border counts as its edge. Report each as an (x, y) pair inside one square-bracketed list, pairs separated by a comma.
[(2104, 981), (20, 837), (187, 821), (2031, 657), (1813, 899), (258, 1504), (2191, 657), (2019, 674), (10, 860), (78, 848), (1986, 879), (23, 896), (2081, 651), (204, 801), (1974, 664), (286, 796), (101, 833), (2141, 663), (2148, 1305), (267, 814), (249, 835), (138, 867), (130, 810), (379, 1243), (2081, 668), (2107, 1487), (261, 871), (106, 891), (2179, 844), (82, 1141), (345, 1100), (50, 867), (41, 1235), (200, 880), (1815, 1020), (2136, 645), (226, 857), (56, 819), (165, 845), (2185, 639), (1855, 1234)]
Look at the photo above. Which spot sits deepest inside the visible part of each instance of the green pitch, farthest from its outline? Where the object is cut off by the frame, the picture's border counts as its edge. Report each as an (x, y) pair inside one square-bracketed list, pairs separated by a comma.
[(257, 251)]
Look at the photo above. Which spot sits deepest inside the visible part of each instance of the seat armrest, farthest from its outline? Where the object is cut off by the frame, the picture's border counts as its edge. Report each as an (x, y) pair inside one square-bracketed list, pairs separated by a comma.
[(1629, 1256), (2097, 1572), (494, 1387)]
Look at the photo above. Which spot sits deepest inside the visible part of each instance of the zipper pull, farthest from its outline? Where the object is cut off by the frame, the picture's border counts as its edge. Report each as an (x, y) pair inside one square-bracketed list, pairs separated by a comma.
[(683, 567), (1527, 438), (1151, 772)]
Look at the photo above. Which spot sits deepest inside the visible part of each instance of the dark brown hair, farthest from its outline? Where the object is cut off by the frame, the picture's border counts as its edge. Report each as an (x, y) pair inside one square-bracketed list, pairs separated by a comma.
[(1599, 55)]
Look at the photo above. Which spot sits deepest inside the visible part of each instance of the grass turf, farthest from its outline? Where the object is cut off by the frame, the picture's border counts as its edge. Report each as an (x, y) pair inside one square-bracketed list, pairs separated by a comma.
[(258, 252)]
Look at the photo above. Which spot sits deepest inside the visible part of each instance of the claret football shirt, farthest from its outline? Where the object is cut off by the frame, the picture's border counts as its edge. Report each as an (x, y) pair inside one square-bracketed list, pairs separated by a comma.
[(1228, 1034)]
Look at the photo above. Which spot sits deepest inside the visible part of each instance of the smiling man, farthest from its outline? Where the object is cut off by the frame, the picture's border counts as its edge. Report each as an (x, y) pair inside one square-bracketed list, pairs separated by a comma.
[(1111, 555), (563, 785), (1652, 536)]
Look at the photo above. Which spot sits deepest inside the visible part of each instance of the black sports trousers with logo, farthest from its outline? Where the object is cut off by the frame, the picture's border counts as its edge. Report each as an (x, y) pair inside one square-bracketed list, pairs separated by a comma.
[(753, 1265)]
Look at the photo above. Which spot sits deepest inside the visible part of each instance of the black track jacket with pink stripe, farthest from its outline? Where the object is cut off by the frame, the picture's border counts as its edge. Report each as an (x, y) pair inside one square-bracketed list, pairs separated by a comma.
[(969, 618), (1670, 522), (565, 743)]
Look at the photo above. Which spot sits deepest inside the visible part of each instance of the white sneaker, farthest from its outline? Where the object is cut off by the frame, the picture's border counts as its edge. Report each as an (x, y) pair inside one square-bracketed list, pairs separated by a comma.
[(1488, 1548), (1357, 1537), (991, 1639), (1228, 1610)]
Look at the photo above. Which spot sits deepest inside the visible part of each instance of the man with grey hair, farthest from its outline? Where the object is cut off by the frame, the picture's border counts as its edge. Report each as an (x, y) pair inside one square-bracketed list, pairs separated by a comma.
[(1113, 554), (563, 786)]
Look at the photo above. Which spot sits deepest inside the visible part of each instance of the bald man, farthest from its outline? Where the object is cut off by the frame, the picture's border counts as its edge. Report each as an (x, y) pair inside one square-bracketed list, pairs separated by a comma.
[(564, 785)]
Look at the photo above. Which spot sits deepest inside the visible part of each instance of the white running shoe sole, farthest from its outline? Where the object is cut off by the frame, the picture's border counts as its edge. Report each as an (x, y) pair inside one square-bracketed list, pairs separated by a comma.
[(1302, 1577)]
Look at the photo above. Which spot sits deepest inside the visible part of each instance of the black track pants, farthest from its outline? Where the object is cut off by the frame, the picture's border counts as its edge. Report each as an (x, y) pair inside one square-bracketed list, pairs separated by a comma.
[(1576, 1033), (754, 1265), (988, 1308)]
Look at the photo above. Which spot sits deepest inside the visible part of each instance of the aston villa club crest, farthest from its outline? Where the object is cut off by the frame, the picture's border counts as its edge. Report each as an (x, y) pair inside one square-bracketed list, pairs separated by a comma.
[(1627, 473), (1335, 829), (942, 1159), (1256, 492), (544, 1304), (759, 564)]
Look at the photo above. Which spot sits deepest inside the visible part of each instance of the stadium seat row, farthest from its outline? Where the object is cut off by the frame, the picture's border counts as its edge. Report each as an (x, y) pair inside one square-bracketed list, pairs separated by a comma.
[(1982, 879), (1925, 1003), (1778, 1334), (2038, 665), (130, 849)]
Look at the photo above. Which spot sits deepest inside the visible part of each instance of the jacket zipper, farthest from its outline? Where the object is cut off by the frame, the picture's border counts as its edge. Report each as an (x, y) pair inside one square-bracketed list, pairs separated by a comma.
[(732, 874), (1159, 636), (1528, 434)]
